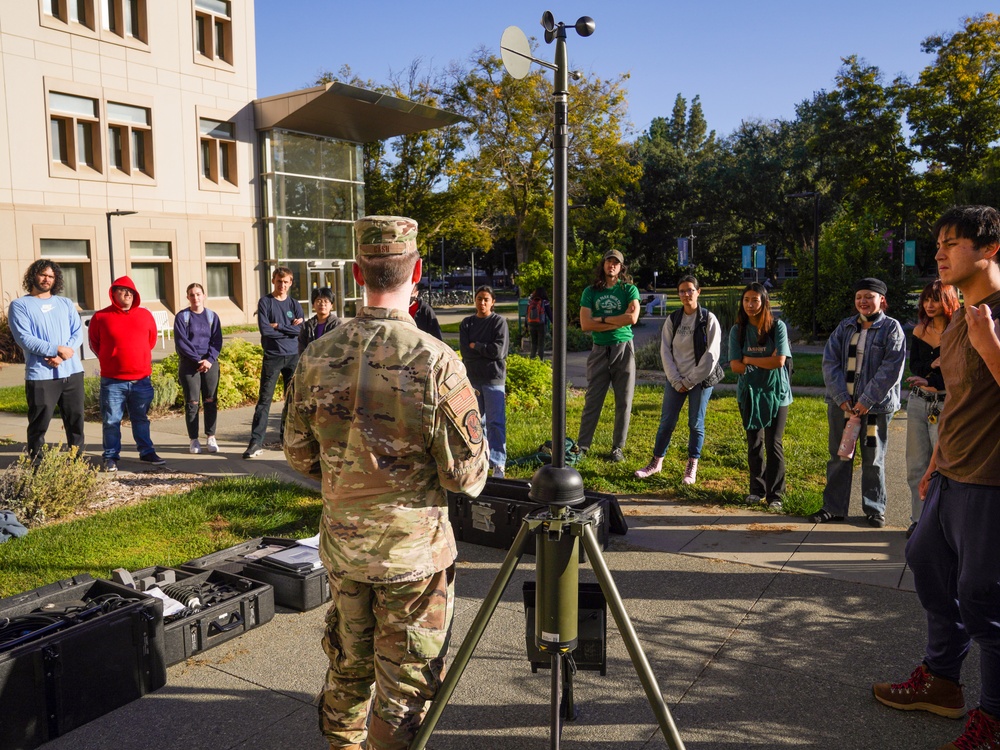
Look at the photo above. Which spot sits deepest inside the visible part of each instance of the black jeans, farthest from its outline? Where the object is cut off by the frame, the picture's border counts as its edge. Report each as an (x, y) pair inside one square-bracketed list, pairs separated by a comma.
[(272, 366), (43, 397), (198, 386), (536, 332), (768, 482)]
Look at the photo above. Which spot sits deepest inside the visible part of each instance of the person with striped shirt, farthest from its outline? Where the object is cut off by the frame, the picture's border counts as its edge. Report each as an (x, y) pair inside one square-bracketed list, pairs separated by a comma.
[(862, 368)]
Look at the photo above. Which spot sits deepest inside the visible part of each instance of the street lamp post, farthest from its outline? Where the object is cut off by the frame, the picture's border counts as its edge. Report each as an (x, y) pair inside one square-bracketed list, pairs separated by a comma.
[(691, 237), (814, 194), (111, 243)]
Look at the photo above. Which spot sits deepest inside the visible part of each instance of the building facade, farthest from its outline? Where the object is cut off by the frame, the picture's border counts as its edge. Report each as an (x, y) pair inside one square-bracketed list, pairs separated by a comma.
[(134, 144)]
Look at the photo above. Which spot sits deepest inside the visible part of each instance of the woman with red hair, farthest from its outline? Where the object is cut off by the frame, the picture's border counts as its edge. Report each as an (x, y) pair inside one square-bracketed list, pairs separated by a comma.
[(935, 307)]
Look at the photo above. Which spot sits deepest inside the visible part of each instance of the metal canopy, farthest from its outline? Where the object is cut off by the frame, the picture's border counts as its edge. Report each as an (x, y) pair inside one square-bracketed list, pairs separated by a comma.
[(348, 113)]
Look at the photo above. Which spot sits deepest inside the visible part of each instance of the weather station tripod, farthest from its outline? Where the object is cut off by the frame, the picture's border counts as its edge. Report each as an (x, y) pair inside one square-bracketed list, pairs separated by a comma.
[(560, 530)]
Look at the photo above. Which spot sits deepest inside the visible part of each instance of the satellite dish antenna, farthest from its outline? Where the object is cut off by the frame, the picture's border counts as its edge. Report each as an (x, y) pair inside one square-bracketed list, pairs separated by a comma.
[(516, 52)]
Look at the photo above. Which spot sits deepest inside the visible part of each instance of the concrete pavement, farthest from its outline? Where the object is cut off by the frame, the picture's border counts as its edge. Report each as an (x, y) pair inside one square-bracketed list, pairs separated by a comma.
[(763, 631)]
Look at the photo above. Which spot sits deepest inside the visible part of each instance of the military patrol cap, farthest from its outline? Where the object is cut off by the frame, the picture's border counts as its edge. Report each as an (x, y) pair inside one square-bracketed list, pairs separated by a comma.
[(385, 235)]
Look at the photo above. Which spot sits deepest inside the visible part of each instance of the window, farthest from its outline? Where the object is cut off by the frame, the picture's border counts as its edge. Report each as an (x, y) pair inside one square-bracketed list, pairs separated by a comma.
[(73, 257), (152, 271), (74, 122), (213, 31), (130, 142), (71, 13), (125, 19), (218, 151), (223, 262)]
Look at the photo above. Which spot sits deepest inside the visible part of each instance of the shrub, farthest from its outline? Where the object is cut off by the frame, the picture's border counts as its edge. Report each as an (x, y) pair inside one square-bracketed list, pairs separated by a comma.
[(647, 356), (10, 352), (725, 308), (529, 382), (54, 486), (239, 375), (578, 340)]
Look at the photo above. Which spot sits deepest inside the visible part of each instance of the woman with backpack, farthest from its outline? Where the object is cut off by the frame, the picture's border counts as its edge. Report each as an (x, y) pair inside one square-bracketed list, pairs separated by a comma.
[(483, 340), (690, 342), (758, 350), (198, 341), (539, 315)]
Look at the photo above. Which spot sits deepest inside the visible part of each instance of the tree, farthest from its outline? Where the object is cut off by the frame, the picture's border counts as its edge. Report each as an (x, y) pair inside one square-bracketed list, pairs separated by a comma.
[(669, 197), (509, 152), (852, 246), (859, 145), (954, 110)]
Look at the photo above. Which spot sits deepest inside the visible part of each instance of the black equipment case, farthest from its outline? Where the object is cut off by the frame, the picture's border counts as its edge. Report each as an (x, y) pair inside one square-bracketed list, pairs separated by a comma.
[(494, 518), (300, 591), (85, 664), (591, 650), (239, 604)]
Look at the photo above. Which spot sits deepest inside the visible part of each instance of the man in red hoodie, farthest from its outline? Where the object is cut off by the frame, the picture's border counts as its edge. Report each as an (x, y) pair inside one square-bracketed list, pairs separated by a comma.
[(122, 336)]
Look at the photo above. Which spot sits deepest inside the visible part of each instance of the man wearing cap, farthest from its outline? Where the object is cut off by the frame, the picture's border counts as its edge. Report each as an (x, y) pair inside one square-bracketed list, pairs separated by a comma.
[(954, 552), (862, 367), (384, 416), (609, 308)]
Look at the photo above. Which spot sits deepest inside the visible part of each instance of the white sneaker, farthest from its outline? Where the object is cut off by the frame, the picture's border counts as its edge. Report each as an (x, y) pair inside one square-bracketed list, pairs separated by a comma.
[(195, 446), (212, 446), (653, 467), (752, 500), (691, 472)]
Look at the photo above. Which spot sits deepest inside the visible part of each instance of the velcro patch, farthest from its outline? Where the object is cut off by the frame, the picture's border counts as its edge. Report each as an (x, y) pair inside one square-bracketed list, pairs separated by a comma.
[(473, 426)]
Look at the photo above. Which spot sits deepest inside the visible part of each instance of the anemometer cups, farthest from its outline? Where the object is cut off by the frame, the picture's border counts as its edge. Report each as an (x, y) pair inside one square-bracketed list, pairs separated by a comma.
[(584, 26), (560, 486)]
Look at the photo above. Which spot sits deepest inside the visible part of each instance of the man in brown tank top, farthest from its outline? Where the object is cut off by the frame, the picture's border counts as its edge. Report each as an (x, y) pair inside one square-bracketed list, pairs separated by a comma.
[(955, 550)]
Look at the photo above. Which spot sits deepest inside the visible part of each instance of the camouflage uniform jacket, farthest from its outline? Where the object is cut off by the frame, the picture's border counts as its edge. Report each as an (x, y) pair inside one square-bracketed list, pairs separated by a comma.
[(384, 415)]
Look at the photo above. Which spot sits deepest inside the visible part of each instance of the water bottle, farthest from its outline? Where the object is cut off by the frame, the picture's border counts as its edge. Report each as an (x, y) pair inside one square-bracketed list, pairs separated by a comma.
[(852, 430)]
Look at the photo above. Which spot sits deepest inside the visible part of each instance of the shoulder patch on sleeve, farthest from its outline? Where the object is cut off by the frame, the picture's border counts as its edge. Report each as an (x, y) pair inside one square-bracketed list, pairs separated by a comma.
[(462, 409)]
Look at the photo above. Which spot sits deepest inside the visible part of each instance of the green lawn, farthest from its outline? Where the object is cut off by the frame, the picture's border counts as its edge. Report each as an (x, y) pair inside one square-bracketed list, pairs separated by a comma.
[(165, 531), (172, 529)]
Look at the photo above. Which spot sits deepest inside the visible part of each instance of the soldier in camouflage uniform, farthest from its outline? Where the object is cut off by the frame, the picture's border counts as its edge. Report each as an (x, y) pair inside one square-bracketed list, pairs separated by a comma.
[(384, 415)]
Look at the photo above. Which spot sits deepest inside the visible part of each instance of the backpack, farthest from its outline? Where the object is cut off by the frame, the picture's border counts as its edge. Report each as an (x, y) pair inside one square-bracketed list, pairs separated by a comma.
[(186, 317), (700, 343), (536, 311)]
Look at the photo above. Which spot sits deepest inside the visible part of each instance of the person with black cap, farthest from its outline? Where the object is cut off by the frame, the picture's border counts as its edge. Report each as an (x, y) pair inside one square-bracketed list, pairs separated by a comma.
[(609, 308), (862, 367)]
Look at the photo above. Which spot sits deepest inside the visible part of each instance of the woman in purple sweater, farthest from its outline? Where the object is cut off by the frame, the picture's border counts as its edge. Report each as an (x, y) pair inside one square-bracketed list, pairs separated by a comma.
[(198, 340)]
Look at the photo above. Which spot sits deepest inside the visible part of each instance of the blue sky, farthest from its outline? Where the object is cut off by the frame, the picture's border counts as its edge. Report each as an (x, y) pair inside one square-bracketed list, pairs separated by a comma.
[(745, 59)]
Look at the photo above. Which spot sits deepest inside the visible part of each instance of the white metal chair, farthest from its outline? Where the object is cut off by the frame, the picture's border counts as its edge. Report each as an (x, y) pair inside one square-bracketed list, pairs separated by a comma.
[(163, 326)]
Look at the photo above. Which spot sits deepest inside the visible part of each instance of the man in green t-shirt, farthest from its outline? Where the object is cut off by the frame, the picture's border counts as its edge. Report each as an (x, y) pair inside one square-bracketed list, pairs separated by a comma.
[(608, 309)]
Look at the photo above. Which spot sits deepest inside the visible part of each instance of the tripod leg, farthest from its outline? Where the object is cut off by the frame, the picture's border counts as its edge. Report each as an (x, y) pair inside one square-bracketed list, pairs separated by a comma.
[(568, 707), (639, 661), (555, 718), (476, 631)]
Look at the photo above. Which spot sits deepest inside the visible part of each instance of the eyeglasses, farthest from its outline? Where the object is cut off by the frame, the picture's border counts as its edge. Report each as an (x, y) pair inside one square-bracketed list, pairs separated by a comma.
[(125, 291), (687, 292)]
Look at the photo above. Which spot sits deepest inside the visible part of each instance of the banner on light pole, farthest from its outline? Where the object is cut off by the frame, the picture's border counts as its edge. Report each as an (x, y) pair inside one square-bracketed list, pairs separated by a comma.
[(683, 252)]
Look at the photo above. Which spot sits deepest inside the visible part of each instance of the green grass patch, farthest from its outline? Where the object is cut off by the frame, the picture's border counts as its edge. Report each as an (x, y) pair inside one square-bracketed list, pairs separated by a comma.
[(241, 328), (13, 400), (168, 531), (722, 471)]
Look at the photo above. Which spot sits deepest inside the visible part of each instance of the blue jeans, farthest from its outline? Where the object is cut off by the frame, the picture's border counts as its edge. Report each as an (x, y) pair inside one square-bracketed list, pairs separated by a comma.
[(117, 397), (671, 410), (955, 560), (837, 493), (493, 406)]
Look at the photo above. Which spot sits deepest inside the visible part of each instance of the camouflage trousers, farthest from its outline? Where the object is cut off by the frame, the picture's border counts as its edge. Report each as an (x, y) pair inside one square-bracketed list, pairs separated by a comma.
[(393, 636)]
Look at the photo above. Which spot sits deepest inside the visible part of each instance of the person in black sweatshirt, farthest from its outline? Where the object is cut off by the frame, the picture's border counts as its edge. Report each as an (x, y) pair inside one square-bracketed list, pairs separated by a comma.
[(279, 319), (484, 341)]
